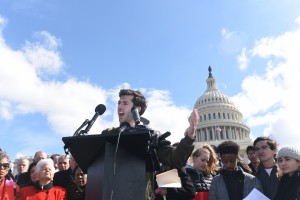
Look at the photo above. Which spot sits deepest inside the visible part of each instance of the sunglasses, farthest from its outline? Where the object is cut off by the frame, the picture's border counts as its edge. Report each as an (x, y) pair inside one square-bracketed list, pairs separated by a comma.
[(4, 165)]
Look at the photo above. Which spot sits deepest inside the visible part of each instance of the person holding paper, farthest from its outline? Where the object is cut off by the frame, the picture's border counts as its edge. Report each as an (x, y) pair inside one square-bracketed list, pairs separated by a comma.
[(205, 167), (183, 191), (232, 183), (288, 159), (174, 157)]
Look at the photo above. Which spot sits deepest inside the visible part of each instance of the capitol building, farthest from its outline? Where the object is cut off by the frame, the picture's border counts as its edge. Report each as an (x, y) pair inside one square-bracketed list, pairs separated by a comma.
[(220, 119)]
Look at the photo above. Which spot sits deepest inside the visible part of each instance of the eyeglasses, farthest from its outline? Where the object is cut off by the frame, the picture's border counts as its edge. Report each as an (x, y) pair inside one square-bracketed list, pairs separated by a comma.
[(263, 148), (4, 165), (251, 154)]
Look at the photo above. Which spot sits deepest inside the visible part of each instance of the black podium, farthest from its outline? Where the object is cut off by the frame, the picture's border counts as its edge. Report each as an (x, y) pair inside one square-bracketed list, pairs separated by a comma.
[(116, 166)]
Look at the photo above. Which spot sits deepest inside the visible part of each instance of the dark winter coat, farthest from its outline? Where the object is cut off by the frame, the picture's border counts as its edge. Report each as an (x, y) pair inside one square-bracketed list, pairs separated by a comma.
[(200, 180), (289, 187)]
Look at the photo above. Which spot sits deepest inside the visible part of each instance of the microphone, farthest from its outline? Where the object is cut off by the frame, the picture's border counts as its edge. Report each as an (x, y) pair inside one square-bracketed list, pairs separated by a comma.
[(124, 126), (136, 115), (100, 109), (145, 121), (164, 136)]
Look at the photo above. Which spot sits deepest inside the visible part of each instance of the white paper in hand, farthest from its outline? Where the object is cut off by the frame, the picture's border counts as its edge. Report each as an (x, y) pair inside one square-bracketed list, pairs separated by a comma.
[(169, 179), (256, 195)]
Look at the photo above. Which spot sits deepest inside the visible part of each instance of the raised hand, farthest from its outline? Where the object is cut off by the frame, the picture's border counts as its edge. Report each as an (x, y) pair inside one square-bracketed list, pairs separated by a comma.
[(193, 124)]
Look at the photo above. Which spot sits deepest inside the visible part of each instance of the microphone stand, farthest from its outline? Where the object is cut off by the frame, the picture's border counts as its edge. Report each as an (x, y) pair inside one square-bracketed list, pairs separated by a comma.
[(79, 132)]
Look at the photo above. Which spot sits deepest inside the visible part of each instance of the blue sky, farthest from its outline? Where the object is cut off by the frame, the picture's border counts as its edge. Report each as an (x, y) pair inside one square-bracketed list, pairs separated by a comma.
[(60, 59)]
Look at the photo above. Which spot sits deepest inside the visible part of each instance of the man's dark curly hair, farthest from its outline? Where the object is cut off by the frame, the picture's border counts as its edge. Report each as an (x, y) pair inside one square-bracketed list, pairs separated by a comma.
[(228, 147), (272, 143), (138, 98)]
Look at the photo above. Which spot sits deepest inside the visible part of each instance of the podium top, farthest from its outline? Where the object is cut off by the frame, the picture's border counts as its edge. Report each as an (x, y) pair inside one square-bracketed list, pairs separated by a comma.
[(86, 148)]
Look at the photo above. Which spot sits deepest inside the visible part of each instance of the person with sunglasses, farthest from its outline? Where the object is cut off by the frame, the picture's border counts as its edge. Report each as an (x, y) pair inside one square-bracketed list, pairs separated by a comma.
[(8, 188)]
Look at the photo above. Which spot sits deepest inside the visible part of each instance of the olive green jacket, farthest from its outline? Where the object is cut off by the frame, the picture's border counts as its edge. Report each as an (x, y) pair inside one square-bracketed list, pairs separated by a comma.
[(174, 157)]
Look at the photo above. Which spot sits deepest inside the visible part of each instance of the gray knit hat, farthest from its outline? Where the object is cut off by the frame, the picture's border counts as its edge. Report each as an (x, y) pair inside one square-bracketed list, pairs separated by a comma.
[(289, 151)]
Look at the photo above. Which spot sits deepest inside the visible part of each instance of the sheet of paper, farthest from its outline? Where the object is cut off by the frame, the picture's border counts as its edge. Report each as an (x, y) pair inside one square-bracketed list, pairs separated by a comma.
[(256, 195), (168, 179)]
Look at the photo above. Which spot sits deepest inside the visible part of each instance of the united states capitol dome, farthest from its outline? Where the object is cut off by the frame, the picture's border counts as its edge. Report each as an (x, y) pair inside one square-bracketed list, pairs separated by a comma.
[(219, 118)]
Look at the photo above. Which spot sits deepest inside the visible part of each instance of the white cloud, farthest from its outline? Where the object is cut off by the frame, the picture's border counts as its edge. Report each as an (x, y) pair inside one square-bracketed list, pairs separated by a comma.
[(42, 54), (4, 110), (3, 22), (271, 99), (165, 116), (66, 104), (232, 42), (297, 20), (243, 60), (226, 34)]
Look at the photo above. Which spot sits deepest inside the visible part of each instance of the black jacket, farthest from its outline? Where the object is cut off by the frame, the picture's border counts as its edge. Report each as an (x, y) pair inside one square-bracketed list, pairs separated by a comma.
[(289, 187), (201, 181), (23, 178), (269, 183), (63, 178), (186, 192)]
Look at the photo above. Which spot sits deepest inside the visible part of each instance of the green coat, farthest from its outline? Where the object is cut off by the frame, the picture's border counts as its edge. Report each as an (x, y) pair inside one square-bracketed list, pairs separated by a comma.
[(174, 157)]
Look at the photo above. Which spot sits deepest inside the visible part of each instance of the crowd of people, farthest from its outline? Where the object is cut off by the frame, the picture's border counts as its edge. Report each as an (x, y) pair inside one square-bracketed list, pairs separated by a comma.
[(214, 172), (219, 173), (43, 178)]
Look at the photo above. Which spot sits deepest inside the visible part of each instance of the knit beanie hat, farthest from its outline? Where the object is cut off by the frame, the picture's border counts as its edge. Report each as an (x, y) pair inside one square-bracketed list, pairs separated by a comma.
[(289, 151)]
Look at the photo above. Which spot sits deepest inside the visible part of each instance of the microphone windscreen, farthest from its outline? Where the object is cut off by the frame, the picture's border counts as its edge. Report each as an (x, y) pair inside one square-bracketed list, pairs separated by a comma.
[(100, 109)]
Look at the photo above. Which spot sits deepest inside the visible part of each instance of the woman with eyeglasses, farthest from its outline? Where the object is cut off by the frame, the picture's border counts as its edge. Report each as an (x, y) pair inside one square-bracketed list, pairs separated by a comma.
[(288, 159), (8, 188)]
